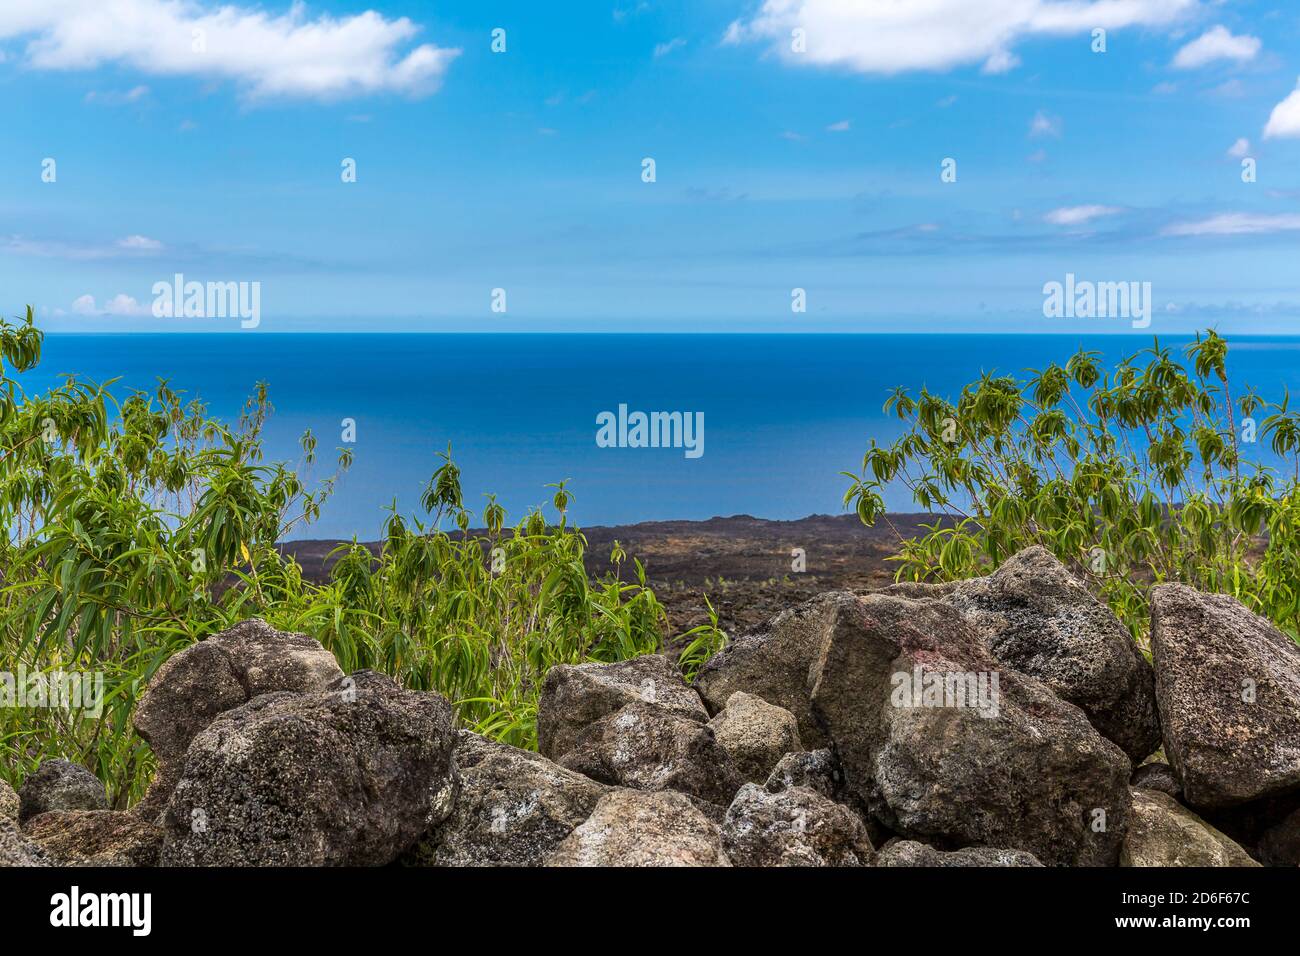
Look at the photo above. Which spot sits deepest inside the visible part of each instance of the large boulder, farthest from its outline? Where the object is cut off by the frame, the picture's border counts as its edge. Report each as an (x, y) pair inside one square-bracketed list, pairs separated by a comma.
[(351, 775), (575, 696), (1228, 685), (757, 734), (1161, 832), (60, 785), (1036, 617), (777, 663), (910, 853), (646, 748), (635, 828), (794, 827), (993, 758), (195, 685), (513, 809), (96, 838)]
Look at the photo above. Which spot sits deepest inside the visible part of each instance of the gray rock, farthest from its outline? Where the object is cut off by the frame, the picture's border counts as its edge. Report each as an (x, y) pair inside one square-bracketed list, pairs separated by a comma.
[(1280, 844), (911, 853), (795, 827), (1228, 685), (1161, 832), (814, 769), (576, 696), (635, 828), (1157, 775), (206, 679), (1019, 768), (16, 849), (96, 838), (1036, 617), (513, 809), (60, 785), (646, 748), (777, 663), (351, 775), (757, 734), (8, 802)]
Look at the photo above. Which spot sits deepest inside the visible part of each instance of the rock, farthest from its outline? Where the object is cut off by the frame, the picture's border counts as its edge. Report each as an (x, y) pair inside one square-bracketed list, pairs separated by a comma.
[(1228, 686), (60, 785), (795, 827), (777, 663), (757, 734), (1161, 832), (16, 849), (1280, 844), (8, 802), (815, 769), (911, 853), (1005, 765), (576, 696), (1036, 617), (96, 838), (351, 775), (646, 748), (195, 685), (513, 809), (1157, 776), (635, 828)]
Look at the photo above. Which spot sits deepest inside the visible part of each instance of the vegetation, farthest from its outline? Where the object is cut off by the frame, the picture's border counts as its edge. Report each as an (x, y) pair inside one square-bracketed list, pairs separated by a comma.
[(1133, 478), (137, 525)]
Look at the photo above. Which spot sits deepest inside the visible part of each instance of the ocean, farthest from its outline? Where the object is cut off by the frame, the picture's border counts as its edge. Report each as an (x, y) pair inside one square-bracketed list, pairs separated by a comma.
[(782, 415)]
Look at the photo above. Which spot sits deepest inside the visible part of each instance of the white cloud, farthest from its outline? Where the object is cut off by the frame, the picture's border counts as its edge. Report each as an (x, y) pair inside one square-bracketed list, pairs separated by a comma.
[(663, 49), (1236, 224), (1217, 43), (1285, 119), (120, 304), (1076, 215), (139, 244), (288, 55), (1240, 148), (1044, 125), (891, 36), (841, 127), (1164, 89)]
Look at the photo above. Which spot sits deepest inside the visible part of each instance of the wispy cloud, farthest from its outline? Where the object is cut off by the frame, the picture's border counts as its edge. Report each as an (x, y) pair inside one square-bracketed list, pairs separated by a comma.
[(1077, 215), (118, 97), (1215, 44), (1044, 125), (120, 305), (1236, 224), (841, 127), (289, 55), (1240, 148), (663, 49)]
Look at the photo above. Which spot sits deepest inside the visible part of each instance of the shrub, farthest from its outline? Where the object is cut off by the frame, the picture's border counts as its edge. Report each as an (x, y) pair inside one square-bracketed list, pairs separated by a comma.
[(138, 525), (1132, 477)]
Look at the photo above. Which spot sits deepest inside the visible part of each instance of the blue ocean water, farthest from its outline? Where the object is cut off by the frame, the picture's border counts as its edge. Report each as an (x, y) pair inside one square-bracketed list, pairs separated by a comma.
[(783, 414)]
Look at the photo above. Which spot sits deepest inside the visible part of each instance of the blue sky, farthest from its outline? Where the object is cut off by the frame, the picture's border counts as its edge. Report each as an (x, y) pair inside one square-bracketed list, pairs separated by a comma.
[(776, 168)]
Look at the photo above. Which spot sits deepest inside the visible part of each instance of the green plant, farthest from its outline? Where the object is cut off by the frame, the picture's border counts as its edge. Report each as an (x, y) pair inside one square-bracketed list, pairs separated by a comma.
[(138, 525), (1132, 477)]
